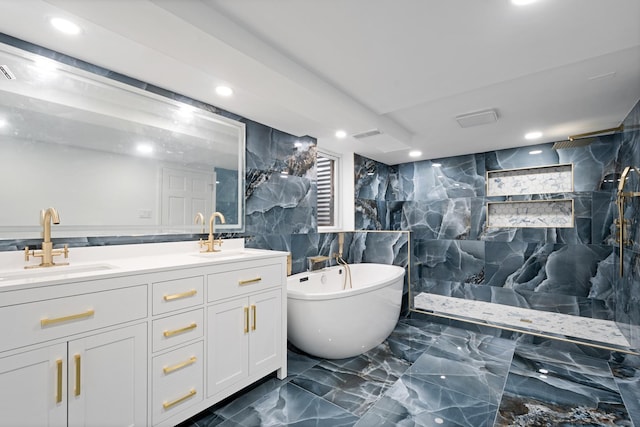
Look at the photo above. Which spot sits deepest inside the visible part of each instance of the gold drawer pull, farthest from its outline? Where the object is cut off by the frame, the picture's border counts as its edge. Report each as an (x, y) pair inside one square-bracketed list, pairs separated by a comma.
[(47, 322), (249, 281), (187, 294), (59, 381), (169, 369), (246, 320), (179, 331), (167, 405), (253, 311)]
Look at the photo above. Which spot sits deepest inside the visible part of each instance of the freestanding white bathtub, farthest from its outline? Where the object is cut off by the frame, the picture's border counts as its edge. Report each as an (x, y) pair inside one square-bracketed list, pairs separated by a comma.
[(326, 321)]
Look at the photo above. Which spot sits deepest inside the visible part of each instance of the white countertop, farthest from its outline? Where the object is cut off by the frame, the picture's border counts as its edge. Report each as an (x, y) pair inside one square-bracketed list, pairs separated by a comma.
[(117, 260)]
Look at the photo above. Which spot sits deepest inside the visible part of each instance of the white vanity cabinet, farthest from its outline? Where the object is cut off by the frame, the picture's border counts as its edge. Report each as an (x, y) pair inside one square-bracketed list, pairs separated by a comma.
[(245, 326), (139, 346), (70, 363)]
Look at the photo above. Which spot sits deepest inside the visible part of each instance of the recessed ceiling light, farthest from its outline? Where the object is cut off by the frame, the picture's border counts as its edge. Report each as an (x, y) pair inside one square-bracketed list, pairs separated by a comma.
[(3, 122), (522, 2), (224, 91), (415, 153), (65, 26), (341, 134), (535, 151), (533, 135)]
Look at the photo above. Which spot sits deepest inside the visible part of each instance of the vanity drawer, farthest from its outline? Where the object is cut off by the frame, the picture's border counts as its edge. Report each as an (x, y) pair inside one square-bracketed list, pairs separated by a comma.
[(177, 329), (177, 294), (237, 282), (178, 380), (30, 323)]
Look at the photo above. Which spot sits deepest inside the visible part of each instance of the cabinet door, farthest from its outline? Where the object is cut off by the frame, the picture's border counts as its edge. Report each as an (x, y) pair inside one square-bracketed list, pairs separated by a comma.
[(227, 344), (265, 338), (108, 378), (33, 388)]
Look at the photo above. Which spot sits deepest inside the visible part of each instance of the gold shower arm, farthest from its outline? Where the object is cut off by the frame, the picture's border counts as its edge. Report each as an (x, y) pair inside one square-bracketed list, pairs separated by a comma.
[(596, 132)]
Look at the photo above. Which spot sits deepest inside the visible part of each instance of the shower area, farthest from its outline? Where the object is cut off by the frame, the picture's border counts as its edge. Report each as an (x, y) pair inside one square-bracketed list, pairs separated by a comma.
[(545, 261)]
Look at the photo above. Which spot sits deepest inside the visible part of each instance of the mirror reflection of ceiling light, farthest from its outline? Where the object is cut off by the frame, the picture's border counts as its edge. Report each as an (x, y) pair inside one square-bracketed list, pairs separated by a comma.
[(65, 26), (144, 148), (532, 152), (436, 165), (224, 91)]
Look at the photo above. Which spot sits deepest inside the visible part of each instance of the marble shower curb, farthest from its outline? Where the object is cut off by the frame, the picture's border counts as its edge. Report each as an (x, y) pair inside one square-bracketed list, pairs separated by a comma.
[(555, 325)]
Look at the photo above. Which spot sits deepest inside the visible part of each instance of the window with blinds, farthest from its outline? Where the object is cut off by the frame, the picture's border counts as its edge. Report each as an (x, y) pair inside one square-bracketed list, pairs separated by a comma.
[(326, 191)]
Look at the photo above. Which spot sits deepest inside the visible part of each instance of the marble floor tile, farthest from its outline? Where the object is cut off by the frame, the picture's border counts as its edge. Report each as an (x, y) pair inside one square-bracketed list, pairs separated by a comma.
[(488, 381), (476, 365), (545, 388), (355, 383), (289, 405), (414, 402)]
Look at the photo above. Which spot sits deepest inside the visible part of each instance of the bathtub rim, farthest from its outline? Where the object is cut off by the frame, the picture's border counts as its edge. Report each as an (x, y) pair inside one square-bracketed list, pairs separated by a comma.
[(344, 293)]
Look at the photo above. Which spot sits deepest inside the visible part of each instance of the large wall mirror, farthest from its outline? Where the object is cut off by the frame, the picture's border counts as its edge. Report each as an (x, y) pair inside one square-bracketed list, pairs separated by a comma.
[(113, 159)]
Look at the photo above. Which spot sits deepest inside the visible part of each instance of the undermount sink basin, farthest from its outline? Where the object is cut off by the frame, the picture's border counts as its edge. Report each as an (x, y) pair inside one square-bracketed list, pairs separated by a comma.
[(59, 270)]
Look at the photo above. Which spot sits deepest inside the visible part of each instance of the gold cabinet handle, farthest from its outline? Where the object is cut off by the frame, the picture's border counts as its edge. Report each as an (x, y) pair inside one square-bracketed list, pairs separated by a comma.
[(167, 405), (187, 294), (179, 331), (253, 311), (76, 390), (169, 369), (249, 281), (59, 381), (246, 320), (47, 321)]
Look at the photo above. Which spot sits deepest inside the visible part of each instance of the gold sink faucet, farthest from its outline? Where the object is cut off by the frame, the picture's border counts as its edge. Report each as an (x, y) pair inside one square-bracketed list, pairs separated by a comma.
[(210, 243), (47, 253)]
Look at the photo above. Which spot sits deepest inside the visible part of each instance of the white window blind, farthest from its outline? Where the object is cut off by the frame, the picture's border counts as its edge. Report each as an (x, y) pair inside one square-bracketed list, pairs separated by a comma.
[(326, 191)]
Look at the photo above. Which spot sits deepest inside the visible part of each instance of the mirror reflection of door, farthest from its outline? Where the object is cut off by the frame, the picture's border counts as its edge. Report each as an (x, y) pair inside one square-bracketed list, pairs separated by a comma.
[(185, 193)]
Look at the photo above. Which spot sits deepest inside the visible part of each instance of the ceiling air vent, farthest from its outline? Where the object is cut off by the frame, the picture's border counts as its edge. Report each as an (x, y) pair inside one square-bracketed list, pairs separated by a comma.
[(367, 134), (477, 118), (5, 71)]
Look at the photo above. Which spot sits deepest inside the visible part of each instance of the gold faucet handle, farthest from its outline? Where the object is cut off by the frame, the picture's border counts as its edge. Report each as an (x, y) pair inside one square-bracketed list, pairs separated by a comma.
[(27, 254), (218, 242)]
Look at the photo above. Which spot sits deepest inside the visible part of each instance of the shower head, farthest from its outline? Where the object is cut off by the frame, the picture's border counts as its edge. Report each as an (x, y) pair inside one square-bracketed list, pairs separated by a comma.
[(583, 139), (572, 143)]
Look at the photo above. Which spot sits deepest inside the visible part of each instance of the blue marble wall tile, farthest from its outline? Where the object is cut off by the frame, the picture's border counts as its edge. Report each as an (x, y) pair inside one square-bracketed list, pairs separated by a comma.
[(281, 204), (516, 158), (375, 180), (453, 260), (366, 215), (592, 162), (439, 219), (454, 177), (603, 213)]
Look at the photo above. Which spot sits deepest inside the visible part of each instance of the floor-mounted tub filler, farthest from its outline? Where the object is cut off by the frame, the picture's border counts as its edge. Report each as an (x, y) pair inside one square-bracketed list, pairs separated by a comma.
[(328, 321)]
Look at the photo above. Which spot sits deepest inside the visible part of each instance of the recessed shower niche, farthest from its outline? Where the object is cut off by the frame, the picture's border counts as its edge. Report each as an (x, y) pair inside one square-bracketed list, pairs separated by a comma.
[(556, 213)]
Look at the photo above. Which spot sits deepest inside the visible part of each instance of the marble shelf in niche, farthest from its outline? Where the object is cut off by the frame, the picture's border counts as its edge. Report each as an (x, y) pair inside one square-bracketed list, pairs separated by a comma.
[(532, 180), (557, 213)]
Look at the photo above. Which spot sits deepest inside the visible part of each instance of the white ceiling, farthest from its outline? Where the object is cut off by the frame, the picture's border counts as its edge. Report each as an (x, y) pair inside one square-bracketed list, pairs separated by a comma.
[(404, 67)]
